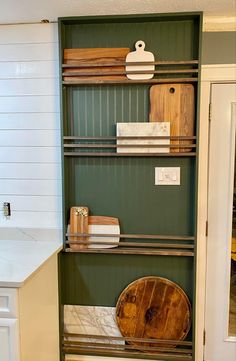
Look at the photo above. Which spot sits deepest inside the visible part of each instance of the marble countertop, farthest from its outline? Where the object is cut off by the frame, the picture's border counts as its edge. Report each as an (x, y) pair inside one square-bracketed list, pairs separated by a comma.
[(23, 251)]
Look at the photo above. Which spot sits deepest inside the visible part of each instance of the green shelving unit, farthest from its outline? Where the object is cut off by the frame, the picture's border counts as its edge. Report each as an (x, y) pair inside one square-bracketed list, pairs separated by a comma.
[(122, 186)]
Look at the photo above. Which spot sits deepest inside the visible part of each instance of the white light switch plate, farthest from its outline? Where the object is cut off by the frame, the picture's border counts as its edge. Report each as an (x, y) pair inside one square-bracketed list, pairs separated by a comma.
[(167, 176)]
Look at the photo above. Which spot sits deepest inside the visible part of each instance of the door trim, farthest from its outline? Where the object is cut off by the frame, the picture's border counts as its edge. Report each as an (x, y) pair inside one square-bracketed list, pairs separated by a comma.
[(228, 338), (210, 74)]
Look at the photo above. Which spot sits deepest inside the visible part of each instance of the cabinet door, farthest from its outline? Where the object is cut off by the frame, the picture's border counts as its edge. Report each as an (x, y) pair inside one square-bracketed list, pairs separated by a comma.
[(9, 348)]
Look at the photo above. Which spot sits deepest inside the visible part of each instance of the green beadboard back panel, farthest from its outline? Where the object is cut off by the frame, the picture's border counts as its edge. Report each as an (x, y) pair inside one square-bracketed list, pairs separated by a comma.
[(124, 188), (110, 186), (99, 279), (167, 39), (95, 110)]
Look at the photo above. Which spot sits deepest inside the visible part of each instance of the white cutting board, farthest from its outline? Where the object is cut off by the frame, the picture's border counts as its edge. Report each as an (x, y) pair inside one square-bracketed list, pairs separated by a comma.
[(99, 225), (140, 55), (143, 129), (103, 225)]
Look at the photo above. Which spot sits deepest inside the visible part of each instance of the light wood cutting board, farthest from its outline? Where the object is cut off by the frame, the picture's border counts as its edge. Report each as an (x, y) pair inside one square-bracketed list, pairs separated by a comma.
[(94, 56), (79, 221), (153, 307), (174, 103)]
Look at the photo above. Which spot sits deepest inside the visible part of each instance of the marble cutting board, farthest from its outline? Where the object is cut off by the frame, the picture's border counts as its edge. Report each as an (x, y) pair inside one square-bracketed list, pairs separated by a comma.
[(143, 129), (91, 320)]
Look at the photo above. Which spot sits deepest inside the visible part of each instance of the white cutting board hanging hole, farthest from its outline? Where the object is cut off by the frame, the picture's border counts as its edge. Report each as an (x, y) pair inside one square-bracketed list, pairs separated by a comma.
[(140, 55)]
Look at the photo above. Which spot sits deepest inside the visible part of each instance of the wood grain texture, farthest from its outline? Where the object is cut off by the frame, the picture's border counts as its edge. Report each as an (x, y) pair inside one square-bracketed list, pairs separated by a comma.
[(174, 103), (154, 307), (94, 225), (102, 220), (95, 56), (78, 224)]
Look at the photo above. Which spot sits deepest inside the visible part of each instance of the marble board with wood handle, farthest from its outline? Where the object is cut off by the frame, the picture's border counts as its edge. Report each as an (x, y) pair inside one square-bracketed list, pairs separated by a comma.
[(81, 222), (174, 103)]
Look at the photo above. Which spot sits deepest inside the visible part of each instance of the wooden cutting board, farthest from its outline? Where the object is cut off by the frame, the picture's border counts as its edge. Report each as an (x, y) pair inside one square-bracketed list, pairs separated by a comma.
[(174, 103), (94, 56), (81, 222), (153, 307)]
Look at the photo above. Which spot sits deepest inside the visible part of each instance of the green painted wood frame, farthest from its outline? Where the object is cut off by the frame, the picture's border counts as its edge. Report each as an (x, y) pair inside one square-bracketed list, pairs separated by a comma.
[(124, 187)]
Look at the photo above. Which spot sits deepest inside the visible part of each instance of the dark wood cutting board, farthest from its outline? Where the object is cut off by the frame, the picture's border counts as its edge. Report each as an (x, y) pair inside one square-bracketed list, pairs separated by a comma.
[(174, 103), (94, 56), (153, 307)]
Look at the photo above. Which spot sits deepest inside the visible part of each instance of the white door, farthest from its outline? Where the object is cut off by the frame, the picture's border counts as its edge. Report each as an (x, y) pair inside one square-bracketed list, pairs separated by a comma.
[(219, 345)]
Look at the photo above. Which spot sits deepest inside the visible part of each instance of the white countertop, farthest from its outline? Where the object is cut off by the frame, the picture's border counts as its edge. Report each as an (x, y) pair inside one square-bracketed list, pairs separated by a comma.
[(23, 251)]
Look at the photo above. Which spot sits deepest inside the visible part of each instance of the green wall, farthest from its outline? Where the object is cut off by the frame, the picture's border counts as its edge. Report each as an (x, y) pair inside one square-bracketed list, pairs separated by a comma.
[(219, 47)]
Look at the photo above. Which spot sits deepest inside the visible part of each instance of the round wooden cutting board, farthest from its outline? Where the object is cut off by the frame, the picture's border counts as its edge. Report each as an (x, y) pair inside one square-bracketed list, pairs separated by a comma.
[(153, 307)]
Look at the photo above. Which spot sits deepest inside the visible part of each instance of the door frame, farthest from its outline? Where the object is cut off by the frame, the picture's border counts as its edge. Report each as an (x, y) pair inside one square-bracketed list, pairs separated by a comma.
[(210, 74)]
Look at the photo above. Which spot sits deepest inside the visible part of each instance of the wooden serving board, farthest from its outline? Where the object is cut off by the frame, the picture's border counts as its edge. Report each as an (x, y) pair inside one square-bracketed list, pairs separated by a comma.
[(92, 225), (153, 307), (94, 56), (174, 103), (79, 221), (103, 225)]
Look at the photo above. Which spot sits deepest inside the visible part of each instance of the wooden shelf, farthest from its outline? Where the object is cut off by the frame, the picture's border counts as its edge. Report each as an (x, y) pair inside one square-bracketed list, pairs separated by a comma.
[(109, 346), (160, 63), (137, 251), (87, 154), (131, 248), (88, 74), (127, 81), (101, 76), (109, 138), (95, 143)]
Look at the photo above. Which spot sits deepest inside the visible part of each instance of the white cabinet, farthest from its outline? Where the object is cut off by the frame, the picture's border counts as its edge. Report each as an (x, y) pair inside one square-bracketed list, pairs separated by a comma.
[(9, 334), (29, 322), (8, 302), (9, 343)]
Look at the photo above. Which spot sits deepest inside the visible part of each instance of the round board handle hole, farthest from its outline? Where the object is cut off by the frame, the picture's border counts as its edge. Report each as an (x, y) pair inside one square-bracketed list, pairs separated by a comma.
[(140, 45), (172, 90)]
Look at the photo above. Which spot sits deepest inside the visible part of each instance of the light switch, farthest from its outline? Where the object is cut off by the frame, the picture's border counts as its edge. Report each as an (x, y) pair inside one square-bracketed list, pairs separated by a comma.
[(167, 176)]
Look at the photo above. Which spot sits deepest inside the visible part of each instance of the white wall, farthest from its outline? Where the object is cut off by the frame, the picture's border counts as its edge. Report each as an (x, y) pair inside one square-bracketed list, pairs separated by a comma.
[(30, 171)]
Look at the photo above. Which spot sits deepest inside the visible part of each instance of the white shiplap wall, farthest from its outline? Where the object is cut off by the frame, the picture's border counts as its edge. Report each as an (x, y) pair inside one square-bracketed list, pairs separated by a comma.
[(30, 170)]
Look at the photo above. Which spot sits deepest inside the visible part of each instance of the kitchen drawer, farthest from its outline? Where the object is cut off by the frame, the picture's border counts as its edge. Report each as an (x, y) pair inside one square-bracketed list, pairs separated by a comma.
[(8, 302)]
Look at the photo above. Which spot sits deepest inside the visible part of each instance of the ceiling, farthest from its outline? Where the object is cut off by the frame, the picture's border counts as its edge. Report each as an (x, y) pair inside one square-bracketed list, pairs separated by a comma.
[(15, 11)]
